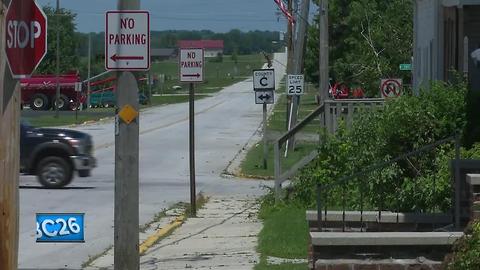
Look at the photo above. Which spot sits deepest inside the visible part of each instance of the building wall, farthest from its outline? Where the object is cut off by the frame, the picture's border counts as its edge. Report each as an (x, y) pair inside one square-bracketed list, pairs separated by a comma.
[(212, 52), (472, 31), (428, 48)]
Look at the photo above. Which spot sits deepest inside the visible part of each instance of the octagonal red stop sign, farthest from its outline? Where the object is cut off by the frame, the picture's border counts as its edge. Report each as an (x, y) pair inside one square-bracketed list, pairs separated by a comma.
[(26, 37)]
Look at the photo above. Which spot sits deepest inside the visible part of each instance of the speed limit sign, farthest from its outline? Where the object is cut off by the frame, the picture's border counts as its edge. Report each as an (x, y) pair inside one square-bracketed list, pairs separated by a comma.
[(295, 85)]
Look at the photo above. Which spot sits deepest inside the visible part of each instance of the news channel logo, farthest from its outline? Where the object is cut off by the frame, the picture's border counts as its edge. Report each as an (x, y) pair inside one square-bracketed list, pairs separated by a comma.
[(55, 228)]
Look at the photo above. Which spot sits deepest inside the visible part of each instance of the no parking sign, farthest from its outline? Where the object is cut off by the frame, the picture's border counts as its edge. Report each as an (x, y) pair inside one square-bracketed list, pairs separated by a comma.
[(391, 88)]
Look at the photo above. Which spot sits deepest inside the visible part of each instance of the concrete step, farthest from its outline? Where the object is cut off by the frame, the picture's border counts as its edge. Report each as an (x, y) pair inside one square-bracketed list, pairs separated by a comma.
[(382, 245), (384, 238), (383, 264), (386, 217), (372, 221)]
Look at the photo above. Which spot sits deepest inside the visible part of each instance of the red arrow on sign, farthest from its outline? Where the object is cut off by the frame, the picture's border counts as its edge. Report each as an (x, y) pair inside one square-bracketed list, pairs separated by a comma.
[(191, 75), (116, 57)]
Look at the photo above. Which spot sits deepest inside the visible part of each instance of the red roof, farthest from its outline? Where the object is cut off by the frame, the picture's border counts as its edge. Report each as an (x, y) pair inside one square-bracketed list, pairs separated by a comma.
[(204, 44)]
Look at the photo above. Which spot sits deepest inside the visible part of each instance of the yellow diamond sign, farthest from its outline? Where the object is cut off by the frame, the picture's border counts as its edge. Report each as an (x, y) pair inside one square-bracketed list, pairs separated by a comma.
[(128, 114)]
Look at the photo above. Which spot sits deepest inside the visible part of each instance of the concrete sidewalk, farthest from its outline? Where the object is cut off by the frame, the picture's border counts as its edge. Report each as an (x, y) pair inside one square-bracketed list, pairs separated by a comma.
[(222, 236)]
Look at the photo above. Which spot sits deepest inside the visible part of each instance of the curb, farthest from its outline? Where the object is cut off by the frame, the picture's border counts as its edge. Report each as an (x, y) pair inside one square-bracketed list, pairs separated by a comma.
[(151, 240)]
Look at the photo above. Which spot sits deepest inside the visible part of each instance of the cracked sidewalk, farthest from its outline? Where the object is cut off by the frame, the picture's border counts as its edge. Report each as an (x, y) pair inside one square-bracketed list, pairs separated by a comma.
[(222, 236)]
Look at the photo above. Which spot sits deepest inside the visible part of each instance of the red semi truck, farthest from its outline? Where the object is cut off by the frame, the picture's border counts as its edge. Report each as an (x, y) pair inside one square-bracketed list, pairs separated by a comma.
[(39, 91)]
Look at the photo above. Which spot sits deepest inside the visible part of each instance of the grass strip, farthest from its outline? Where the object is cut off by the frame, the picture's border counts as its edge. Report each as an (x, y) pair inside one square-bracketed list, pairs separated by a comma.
[(252, 165), (284, 234)]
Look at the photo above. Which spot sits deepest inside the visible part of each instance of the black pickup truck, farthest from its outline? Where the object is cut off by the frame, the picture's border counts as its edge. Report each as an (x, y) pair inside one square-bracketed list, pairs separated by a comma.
[(54, 155)]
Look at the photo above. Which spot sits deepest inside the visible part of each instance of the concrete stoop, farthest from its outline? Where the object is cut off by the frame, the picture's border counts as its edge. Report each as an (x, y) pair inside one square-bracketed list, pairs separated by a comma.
[(386, 264), (381, 250)]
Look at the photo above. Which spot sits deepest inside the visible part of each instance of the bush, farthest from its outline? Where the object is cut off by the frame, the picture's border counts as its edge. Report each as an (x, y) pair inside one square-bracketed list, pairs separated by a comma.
[(403, 125), (466, 254)]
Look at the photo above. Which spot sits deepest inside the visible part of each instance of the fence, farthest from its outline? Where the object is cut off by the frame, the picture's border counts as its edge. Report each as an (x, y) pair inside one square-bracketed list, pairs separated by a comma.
[(308, 137), (345, 110), (342, 187)]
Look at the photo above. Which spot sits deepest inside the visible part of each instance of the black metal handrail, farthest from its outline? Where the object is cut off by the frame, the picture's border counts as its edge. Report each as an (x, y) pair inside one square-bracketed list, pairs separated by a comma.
[(343, 181)]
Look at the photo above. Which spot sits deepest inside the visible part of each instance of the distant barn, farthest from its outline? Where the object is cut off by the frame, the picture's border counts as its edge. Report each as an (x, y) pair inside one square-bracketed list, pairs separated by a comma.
[(161, 54), (212, 47)]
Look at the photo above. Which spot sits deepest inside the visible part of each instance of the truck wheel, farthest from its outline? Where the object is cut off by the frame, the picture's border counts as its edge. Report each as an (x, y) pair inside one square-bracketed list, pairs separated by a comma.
[(84, 173), (62, 103), (39, 102), (54, 172)]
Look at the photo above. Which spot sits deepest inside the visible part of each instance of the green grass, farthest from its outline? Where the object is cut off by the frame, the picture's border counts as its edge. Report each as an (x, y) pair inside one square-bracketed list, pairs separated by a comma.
[(264, 266), (252, 165), (308, 104), (217, 75), (48, 119), (284, 235)]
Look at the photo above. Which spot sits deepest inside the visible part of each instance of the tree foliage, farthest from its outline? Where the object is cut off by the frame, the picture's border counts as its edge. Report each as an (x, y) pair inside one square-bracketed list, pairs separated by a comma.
[(466, 251), (369, 39), (234, 41), (64, 23), (420, 183)]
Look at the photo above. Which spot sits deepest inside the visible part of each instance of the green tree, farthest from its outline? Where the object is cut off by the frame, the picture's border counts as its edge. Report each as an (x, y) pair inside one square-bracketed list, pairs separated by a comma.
[(64, 23), (368, 41), (234, 56)]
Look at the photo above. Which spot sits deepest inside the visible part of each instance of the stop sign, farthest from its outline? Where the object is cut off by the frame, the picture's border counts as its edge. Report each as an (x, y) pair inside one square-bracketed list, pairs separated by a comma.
[(26, 37)]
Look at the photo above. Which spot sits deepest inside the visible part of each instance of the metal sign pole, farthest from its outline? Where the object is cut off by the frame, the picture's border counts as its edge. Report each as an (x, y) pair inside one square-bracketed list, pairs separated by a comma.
[(57, 94), (265, 145), (193, 199), (89, 69)]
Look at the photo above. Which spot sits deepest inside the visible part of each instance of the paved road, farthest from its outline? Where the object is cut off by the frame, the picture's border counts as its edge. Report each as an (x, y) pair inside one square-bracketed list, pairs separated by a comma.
[(224, 124)]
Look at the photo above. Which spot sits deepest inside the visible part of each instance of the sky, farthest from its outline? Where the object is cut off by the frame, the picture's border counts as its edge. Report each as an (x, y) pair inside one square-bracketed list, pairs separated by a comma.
[(215, 15)]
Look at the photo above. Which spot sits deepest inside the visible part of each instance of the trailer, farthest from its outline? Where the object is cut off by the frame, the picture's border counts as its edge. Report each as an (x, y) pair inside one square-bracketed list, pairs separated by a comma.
[(102, 93), (39, 91)]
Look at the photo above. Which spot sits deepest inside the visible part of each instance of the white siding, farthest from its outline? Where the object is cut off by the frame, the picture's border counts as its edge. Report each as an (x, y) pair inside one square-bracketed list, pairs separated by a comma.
[(427, 50)]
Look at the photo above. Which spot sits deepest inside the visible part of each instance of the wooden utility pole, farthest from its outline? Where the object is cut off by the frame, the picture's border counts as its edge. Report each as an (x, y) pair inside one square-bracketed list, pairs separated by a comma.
[(290, 49), (323, 51), (9, 156), (126, 235), (297, 69)]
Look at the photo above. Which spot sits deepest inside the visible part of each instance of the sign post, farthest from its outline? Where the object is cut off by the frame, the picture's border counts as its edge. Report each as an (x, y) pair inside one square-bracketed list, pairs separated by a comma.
[(127, 48), (264, 87), (191, 71), (23, 44)]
